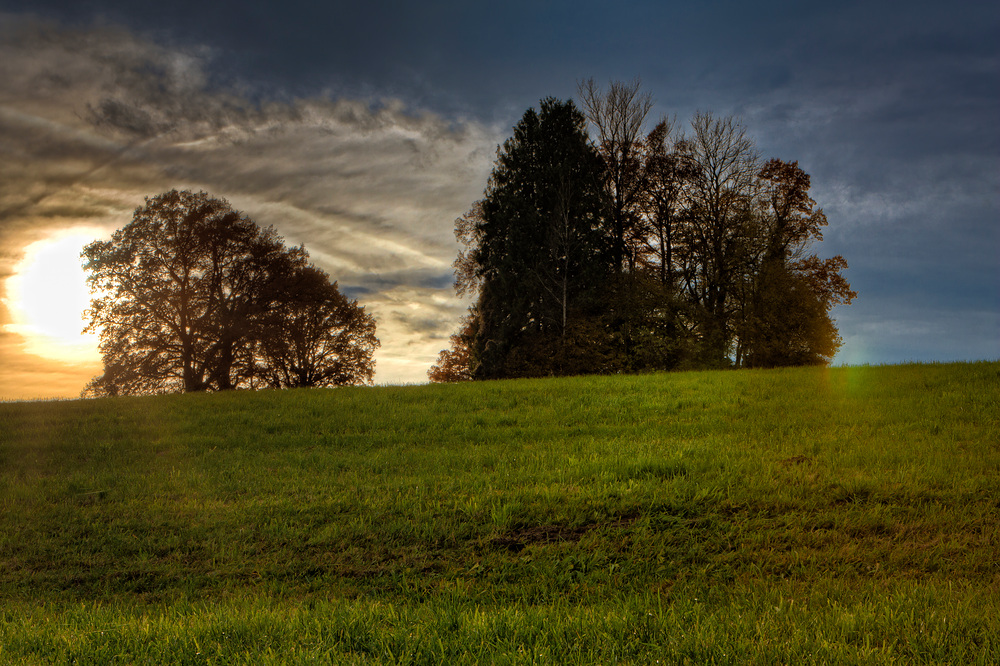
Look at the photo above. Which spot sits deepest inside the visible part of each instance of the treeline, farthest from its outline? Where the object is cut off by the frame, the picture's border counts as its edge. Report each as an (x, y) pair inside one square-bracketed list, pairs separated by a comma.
[(192, 295), (634, 250)]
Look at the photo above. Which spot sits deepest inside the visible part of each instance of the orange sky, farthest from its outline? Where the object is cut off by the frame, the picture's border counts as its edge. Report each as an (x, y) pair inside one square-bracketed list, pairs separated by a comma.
[(26, 376)]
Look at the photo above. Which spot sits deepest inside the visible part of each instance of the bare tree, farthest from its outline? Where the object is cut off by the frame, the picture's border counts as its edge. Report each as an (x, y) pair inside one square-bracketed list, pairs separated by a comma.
[(668, 169), (722, 216), (618, 115)]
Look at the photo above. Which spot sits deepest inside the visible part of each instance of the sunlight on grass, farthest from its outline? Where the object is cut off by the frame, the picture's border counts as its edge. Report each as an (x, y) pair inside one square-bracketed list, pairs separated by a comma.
[(807, 516)]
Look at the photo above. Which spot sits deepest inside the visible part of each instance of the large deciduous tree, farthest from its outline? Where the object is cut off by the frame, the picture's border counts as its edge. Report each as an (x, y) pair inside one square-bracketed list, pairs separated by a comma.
[(194, 296), (785, 320), (313, 335), (618, 115), (720, 229)]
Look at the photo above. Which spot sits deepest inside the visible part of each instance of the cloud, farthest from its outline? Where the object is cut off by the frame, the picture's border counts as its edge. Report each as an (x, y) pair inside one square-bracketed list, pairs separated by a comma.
[(895, 121), (93, 120), (893, 332), (892, 113)]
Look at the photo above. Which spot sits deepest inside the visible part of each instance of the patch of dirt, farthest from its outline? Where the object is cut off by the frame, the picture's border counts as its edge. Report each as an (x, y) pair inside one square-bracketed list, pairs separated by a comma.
[(516, 540)]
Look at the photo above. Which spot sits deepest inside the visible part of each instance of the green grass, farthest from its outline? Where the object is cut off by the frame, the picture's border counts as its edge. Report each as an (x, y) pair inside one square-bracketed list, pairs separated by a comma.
[(847, 515)]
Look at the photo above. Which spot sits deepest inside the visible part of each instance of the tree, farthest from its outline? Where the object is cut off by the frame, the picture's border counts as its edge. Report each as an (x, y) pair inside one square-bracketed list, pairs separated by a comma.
[(315, 336), (721, 228), (453, 365), (618, 116), (786, 321), (184, 292), (668, 170), (692, 252), (539, 248), (469, 229), (657, 325)]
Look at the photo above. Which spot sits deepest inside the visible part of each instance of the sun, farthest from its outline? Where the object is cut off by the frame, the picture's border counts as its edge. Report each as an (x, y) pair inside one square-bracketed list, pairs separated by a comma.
[(47, 296)]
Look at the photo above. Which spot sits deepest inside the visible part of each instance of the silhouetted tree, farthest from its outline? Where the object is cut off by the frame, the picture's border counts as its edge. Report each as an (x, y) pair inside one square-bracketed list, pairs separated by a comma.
[(538, 242), (313, 335), (668, 170), (184, 294), (654, 320), (721, 229), (618, 116), (786, 317), (692, 252)]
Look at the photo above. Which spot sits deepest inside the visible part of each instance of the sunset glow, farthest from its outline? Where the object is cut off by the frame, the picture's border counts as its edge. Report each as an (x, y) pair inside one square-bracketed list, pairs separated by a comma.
[(47, 296), (366, 150)]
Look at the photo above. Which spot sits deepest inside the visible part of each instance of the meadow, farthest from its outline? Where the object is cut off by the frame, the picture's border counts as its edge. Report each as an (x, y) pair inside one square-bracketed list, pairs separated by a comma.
[(806, 516)]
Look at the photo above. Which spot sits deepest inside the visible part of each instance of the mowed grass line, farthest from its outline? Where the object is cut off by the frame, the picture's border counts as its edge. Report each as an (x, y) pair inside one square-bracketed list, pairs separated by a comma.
[(804, 515)]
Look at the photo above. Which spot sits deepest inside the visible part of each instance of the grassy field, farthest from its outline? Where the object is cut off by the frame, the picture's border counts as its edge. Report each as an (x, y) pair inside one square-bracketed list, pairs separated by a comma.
[(847, 515)]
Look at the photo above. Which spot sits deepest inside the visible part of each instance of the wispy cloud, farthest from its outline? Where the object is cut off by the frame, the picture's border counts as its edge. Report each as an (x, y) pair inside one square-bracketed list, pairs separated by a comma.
[(94, 120)]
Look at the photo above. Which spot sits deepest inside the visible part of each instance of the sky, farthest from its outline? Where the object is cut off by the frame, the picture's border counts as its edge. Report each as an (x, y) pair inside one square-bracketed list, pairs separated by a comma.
[(362, 130)]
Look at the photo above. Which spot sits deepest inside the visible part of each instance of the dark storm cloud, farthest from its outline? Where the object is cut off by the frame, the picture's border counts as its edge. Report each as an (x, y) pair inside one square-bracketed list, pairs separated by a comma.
[(893, 114), (424, 279)]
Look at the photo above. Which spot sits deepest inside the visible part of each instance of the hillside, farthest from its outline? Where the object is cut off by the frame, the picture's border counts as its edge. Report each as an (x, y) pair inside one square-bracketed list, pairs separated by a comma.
[(804, 516)]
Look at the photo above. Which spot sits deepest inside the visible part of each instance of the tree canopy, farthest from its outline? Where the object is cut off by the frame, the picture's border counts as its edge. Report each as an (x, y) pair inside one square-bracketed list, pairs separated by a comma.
[(195, 296), (537, 247), (635, 251)]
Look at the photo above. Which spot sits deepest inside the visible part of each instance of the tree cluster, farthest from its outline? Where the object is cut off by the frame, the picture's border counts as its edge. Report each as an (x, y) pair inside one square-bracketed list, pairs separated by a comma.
[(195, 296), (637, 250)]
